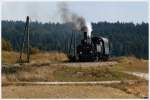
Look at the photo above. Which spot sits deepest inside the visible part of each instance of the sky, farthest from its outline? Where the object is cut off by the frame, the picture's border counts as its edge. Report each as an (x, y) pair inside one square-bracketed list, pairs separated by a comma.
[(95, 11)]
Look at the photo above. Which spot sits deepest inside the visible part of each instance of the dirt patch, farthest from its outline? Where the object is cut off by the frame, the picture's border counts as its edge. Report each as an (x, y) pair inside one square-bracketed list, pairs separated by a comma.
[(139, 88), (56, 91), (91, 64)]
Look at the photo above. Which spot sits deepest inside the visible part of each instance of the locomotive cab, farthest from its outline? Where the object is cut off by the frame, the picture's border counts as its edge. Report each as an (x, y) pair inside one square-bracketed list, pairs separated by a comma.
[(101, 45)]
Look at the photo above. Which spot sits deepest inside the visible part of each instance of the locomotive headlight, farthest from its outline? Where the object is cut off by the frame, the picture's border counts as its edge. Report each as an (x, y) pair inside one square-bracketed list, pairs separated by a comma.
[(80, 52)]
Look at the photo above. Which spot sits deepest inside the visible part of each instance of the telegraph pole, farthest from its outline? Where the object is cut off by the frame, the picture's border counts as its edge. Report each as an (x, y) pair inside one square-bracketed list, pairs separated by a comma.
[(26, 38), (28, 41), (70, 43), (74, 44)]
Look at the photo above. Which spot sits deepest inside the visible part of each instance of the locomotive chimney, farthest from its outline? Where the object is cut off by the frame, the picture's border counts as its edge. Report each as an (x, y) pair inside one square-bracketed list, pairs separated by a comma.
[(87, 38), (84, 30), (85, 35)]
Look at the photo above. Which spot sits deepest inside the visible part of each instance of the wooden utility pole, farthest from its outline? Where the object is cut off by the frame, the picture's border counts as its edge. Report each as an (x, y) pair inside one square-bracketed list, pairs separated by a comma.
[(26, 38), (70, 44), (74, 44), (28, 41)]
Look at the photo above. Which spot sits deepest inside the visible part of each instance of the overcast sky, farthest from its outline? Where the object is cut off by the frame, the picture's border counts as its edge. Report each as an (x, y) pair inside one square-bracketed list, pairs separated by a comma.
[(136, 12)]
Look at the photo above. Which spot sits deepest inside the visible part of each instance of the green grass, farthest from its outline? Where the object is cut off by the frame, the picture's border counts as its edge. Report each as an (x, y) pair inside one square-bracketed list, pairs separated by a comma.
[(91, 74), (63, 73)]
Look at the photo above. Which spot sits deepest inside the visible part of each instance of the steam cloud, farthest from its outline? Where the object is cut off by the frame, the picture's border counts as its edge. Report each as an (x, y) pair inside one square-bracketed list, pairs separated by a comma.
[(79, 23)]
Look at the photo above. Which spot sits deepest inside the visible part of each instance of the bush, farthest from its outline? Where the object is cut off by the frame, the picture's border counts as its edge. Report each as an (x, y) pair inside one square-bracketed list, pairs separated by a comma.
[(6, 45), (34, 50)]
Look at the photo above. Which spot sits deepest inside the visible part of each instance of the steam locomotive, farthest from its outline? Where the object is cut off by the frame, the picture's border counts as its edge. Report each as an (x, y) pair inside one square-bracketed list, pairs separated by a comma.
[(93, 49)]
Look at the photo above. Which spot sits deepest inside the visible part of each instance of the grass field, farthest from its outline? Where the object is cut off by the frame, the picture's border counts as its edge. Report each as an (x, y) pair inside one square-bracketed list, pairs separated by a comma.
[(62, 73), (40, 70), (131, 64), (13, 57), (125, 63)]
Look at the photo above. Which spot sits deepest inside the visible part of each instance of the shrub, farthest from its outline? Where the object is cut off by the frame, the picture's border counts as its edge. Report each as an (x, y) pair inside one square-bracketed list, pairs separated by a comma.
[(34, 50), (6, 45)]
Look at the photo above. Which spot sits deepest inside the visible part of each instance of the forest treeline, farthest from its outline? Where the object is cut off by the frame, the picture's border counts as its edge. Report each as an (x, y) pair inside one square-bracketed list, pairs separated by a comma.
[(125, 38)]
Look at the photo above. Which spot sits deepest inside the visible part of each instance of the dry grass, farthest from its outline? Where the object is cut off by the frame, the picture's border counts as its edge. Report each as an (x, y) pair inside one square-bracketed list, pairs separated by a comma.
[(51, 56), (39, 70), (62, 73), (131, 64), (27, 73), (13, 57), (91, 74), (139, 88), (10, 57)]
